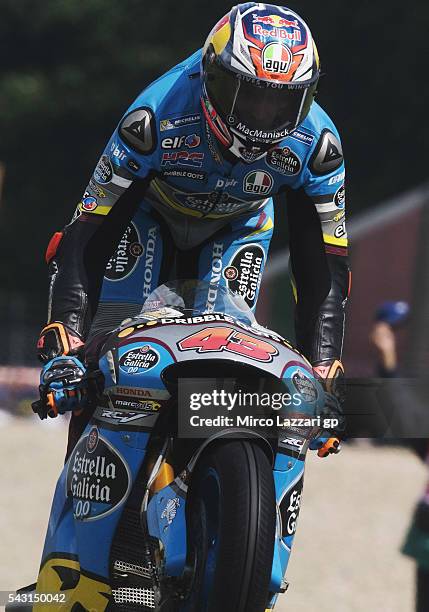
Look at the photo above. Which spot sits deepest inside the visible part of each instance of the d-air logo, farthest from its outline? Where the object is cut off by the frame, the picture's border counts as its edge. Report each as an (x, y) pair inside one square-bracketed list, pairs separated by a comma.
[(120, 154), (258, 183), (276, 58), (224, 183)]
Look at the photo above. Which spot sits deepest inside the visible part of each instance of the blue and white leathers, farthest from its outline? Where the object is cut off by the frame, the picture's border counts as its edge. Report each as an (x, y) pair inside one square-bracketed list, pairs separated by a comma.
[(198, 202)]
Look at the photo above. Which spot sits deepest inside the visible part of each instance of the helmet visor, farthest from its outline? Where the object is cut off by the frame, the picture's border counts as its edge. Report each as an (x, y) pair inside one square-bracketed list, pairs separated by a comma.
[(258, 105)]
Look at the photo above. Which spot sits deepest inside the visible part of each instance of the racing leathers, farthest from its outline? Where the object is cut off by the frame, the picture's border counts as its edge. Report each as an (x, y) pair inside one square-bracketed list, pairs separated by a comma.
[(165, 201)]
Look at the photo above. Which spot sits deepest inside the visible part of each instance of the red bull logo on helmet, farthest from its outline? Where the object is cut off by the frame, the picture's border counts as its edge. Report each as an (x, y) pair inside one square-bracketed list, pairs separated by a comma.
[(279, 28), (276, 20), (277, 33)]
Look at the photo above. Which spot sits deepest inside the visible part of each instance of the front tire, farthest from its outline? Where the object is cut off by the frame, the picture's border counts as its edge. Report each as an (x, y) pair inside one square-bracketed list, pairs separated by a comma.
[(231, 529)]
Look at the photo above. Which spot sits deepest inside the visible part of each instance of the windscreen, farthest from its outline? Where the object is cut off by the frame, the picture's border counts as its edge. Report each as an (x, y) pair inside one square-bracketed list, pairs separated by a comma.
[(195, 297)]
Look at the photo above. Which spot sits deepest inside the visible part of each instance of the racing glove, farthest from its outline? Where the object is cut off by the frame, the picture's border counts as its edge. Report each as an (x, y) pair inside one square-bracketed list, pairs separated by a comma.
[(55, 340), (330, 374), (59, 387)]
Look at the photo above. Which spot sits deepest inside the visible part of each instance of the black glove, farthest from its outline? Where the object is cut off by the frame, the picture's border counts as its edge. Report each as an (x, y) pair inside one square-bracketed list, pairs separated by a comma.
[(55, 340)]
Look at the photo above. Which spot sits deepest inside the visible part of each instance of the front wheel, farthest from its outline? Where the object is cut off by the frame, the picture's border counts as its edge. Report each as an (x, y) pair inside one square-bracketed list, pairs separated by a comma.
[(231, 529)]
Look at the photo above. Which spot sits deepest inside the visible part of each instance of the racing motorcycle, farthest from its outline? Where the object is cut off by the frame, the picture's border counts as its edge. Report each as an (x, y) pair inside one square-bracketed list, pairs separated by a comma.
[(149, 514)]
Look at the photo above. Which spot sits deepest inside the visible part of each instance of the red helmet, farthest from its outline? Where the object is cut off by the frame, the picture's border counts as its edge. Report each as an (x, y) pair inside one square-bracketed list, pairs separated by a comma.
[(260, 70)]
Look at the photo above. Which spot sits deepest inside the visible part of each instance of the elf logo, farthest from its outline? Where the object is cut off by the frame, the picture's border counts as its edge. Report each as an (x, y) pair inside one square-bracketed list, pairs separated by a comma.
[(258, 182), (276, 58), (190, 141)]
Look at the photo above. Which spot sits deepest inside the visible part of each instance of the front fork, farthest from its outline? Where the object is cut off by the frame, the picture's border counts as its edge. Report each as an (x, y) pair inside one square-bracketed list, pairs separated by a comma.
[(169, 496), (288, 476)]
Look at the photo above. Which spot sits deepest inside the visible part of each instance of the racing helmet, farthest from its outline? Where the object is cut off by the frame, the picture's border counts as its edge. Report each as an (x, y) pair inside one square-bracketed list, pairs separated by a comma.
[(259, 70)]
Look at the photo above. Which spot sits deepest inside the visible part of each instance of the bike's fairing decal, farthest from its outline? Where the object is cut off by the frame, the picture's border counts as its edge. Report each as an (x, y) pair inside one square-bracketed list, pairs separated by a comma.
[(217, 339), (90, 495), (98, 478), (61, 534), (289, 509), (288, 478), (125, 420), (301, 380), (62, 573), (140, 363), (172, 339), (166, 516)]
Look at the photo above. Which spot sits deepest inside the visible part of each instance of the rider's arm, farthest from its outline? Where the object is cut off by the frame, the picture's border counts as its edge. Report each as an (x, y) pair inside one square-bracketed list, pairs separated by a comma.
[(78, 255), (318, 248)]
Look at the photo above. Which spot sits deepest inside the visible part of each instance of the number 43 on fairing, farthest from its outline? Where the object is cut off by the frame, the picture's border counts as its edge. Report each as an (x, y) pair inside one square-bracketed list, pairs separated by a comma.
[(215, 339)]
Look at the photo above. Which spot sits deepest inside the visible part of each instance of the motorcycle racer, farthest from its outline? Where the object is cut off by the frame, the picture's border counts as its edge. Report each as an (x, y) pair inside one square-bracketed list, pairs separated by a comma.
[(186, 183)]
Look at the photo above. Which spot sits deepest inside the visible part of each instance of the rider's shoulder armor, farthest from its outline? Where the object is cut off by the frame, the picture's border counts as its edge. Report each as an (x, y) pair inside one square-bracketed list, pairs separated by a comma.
[(315, 149)]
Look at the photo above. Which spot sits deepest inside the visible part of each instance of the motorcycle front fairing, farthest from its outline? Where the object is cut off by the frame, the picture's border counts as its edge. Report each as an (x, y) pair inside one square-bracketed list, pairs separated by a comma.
[(99, 476)]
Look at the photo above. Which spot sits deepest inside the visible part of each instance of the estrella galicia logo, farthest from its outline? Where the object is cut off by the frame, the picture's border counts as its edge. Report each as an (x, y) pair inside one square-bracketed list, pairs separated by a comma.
[(98, 478), (284, 160), (139, 360), (258, 183), (103, 173), (244, 272), (289, 508), (126, 256), (340, 197)]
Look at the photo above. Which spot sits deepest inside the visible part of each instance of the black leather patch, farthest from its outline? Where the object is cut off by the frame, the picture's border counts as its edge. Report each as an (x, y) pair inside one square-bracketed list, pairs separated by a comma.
[(328, 155), (137, 129)]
